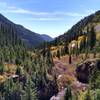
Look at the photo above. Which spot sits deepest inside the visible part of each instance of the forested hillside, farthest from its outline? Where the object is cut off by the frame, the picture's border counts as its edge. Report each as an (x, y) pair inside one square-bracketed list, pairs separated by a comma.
[(76, 56), (28, 37), (67, 68), (24, 72), (81, 28)]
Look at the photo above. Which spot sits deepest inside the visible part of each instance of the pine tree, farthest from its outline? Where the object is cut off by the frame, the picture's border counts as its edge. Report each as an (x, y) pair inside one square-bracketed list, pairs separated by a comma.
[(88, 95), (56, 42), (91, 38), (97, 94), (70, 59), (66, 48), (68, 93), (7, 88), (44, 49), (58, 54), (30, 91), (18, 70), (12, 90), (1, 68), (49, 59)]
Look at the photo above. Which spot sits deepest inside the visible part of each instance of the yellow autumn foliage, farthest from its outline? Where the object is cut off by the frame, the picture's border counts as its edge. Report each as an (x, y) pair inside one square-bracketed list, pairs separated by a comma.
[(2, 79)]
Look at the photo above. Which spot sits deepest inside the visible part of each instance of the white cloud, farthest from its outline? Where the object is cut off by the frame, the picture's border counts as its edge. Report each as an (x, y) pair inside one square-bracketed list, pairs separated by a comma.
[(90, 11), (42, 16), (23, 11), (16, 10), (44, 19), (73, 14)]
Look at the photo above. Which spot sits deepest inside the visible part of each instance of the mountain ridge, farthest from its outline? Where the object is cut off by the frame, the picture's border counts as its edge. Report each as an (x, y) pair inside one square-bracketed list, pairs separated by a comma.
[(46, 37), (80, 27), (27, 36)]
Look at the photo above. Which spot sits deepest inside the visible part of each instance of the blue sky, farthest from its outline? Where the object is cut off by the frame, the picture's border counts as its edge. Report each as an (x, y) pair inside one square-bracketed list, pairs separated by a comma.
[(52, 17)]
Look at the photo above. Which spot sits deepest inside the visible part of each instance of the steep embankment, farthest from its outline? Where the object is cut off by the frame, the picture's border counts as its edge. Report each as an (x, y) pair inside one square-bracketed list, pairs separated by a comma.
[(85, 69), (66, 74)]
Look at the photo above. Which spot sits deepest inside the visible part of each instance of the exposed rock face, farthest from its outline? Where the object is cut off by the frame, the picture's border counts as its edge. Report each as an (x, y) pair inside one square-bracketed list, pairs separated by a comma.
[(85, 69)]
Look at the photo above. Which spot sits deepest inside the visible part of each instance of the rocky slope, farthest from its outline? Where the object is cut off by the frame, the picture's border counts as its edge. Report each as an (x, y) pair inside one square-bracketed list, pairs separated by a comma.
[(84, 69)]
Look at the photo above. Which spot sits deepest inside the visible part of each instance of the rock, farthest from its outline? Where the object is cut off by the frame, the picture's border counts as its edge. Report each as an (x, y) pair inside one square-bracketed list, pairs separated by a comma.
[(59, 96), (84, 69)]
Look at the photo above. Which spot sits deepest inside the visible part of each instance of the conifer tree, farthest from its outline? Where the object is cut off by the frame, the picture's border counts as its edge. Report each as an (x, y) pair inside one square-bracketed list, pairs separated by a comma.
[(91, 38), (70, 59), (97, 94), (68, 93), (66, 48), (30, 91), (88, 95), (18, 70), (1, 68), (12, 90), (44, 49), (58, 54)]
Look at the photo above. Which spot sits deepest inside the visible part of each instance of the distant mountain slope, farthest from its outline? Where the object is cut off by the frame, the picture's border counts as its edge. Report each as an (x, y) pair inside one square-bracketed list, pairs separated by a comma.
[(46, 37), (79, 28), (29, 37)]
